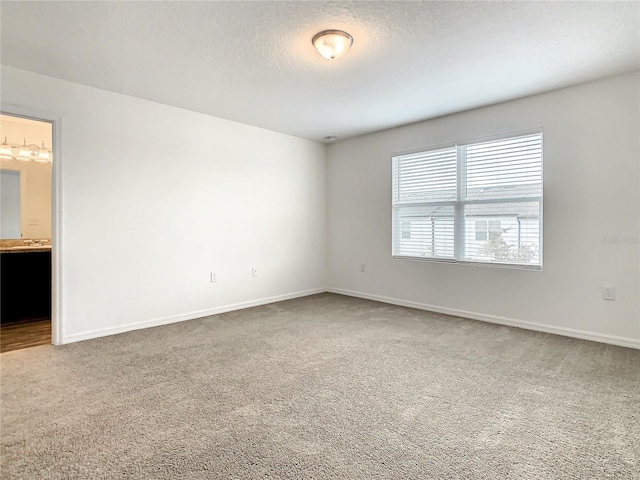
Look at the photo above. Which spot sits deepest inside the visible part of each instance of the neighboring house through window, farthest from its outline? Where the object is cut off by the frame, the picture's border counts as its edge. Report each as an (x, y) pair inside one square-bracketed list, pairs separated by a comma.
[(471, 202)]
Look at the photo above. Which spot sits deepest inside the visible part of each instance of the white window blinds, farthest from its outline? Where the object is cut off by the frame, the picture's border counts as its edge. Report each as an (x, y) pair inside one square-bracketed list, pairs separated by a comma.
[(472, 202)]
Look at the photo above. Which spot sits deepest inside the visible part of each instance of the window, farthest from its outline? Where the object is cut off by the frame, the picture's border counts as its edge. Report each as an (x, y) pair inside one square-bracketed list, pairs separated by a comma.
[(481, 230), (406, 229), (471, 202)]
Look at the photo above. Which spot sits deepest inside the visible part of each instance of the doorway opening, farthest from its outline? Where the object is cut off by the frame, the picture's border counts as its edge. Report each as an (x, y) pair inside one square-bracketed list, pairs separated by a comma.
[(26, 232)]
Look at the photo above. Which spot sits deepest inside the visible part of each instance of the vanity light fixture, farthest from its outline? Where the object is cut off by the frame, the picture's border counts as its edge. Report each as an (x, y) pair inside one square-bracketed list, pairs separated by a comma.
[(25, 152), (332, 44)]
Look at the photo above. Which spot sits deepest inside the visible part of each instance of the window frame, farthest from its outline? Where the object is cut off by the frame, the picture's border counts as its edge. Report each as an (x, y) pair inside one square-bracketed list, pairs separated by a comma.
[(459, 203)]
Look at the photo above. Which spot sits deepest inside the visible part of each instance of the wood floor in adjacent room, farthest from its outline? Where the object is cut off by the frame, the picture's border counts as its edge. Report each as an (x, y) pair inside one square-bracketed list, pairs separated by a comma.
[(25, 334)]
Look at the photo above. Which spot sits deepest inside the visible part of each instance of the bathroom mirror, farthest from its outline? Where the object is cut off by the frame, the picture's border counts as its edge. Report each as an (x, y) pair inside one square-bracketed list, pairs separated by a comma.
[(26, 201), (10, 203)]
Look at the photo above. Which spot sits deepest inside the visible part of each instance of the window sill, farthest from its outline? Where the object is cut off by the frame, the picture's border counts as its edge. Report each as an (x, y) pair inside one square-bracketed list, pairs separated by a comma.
[(511, 266)]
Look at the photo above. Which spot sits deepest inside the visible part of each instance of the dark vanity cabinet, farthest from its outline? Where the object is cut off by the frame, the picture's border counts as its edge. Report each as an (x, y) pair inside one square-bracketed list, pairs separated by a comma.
[(26, 286)]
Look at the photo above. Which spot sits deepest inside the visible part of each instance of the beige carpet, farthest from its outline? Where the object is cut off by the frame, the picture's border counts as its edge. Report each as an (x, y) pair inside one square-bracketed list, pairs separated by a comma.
[(324, 387)]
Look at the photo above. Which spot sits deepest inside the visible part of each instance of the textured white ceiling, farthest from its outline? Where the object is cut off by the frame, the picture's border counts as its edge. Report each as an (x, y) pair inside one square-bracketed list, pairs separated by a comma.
[(253, 62)]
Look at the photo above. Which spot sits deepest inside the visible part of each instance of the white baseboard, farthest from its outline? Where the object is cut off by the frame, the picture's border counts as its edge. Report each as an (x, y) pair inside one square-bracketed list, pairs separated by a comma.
[(103, 332), (539, 327)]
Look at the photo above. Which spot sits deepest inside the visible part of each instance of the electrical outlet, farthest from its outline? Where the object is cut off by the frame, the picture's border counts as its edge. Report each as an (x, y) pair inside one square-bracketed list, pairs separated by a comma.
[(214, 277), (254, 272), (363, 267), (608, 292)]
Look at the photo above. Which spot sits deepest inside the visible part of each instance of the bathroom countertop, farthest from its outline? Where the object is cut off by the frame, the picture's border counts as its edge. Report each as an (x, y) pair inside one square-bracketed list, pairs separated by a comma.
[(25, 249)]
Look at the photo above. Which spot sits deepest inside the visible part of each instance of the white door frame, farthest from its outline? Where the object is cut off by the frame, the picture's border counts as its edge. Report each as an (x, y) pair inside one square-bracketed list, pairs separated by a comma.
[(57, 324)]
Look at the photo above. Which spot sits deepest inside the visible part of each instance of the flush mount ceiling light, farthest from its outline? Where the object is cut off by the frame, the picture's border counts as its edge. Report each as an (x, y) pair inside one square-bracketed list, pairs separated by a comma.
[(332, 44)]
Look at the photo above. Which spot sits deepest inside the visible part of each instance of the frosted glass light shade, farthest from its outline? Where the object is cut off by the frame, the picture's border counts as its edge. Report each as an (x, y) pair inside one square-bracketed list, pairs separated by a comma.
[(24, 152), (45, 155), (5, 150), (332, 44)]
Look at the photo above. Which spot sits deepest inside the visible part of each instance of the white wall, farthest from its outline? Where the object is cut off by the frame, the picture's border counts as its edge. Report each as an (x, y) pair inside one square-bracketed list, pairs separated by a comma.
[(591, 217), (154, 198)]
